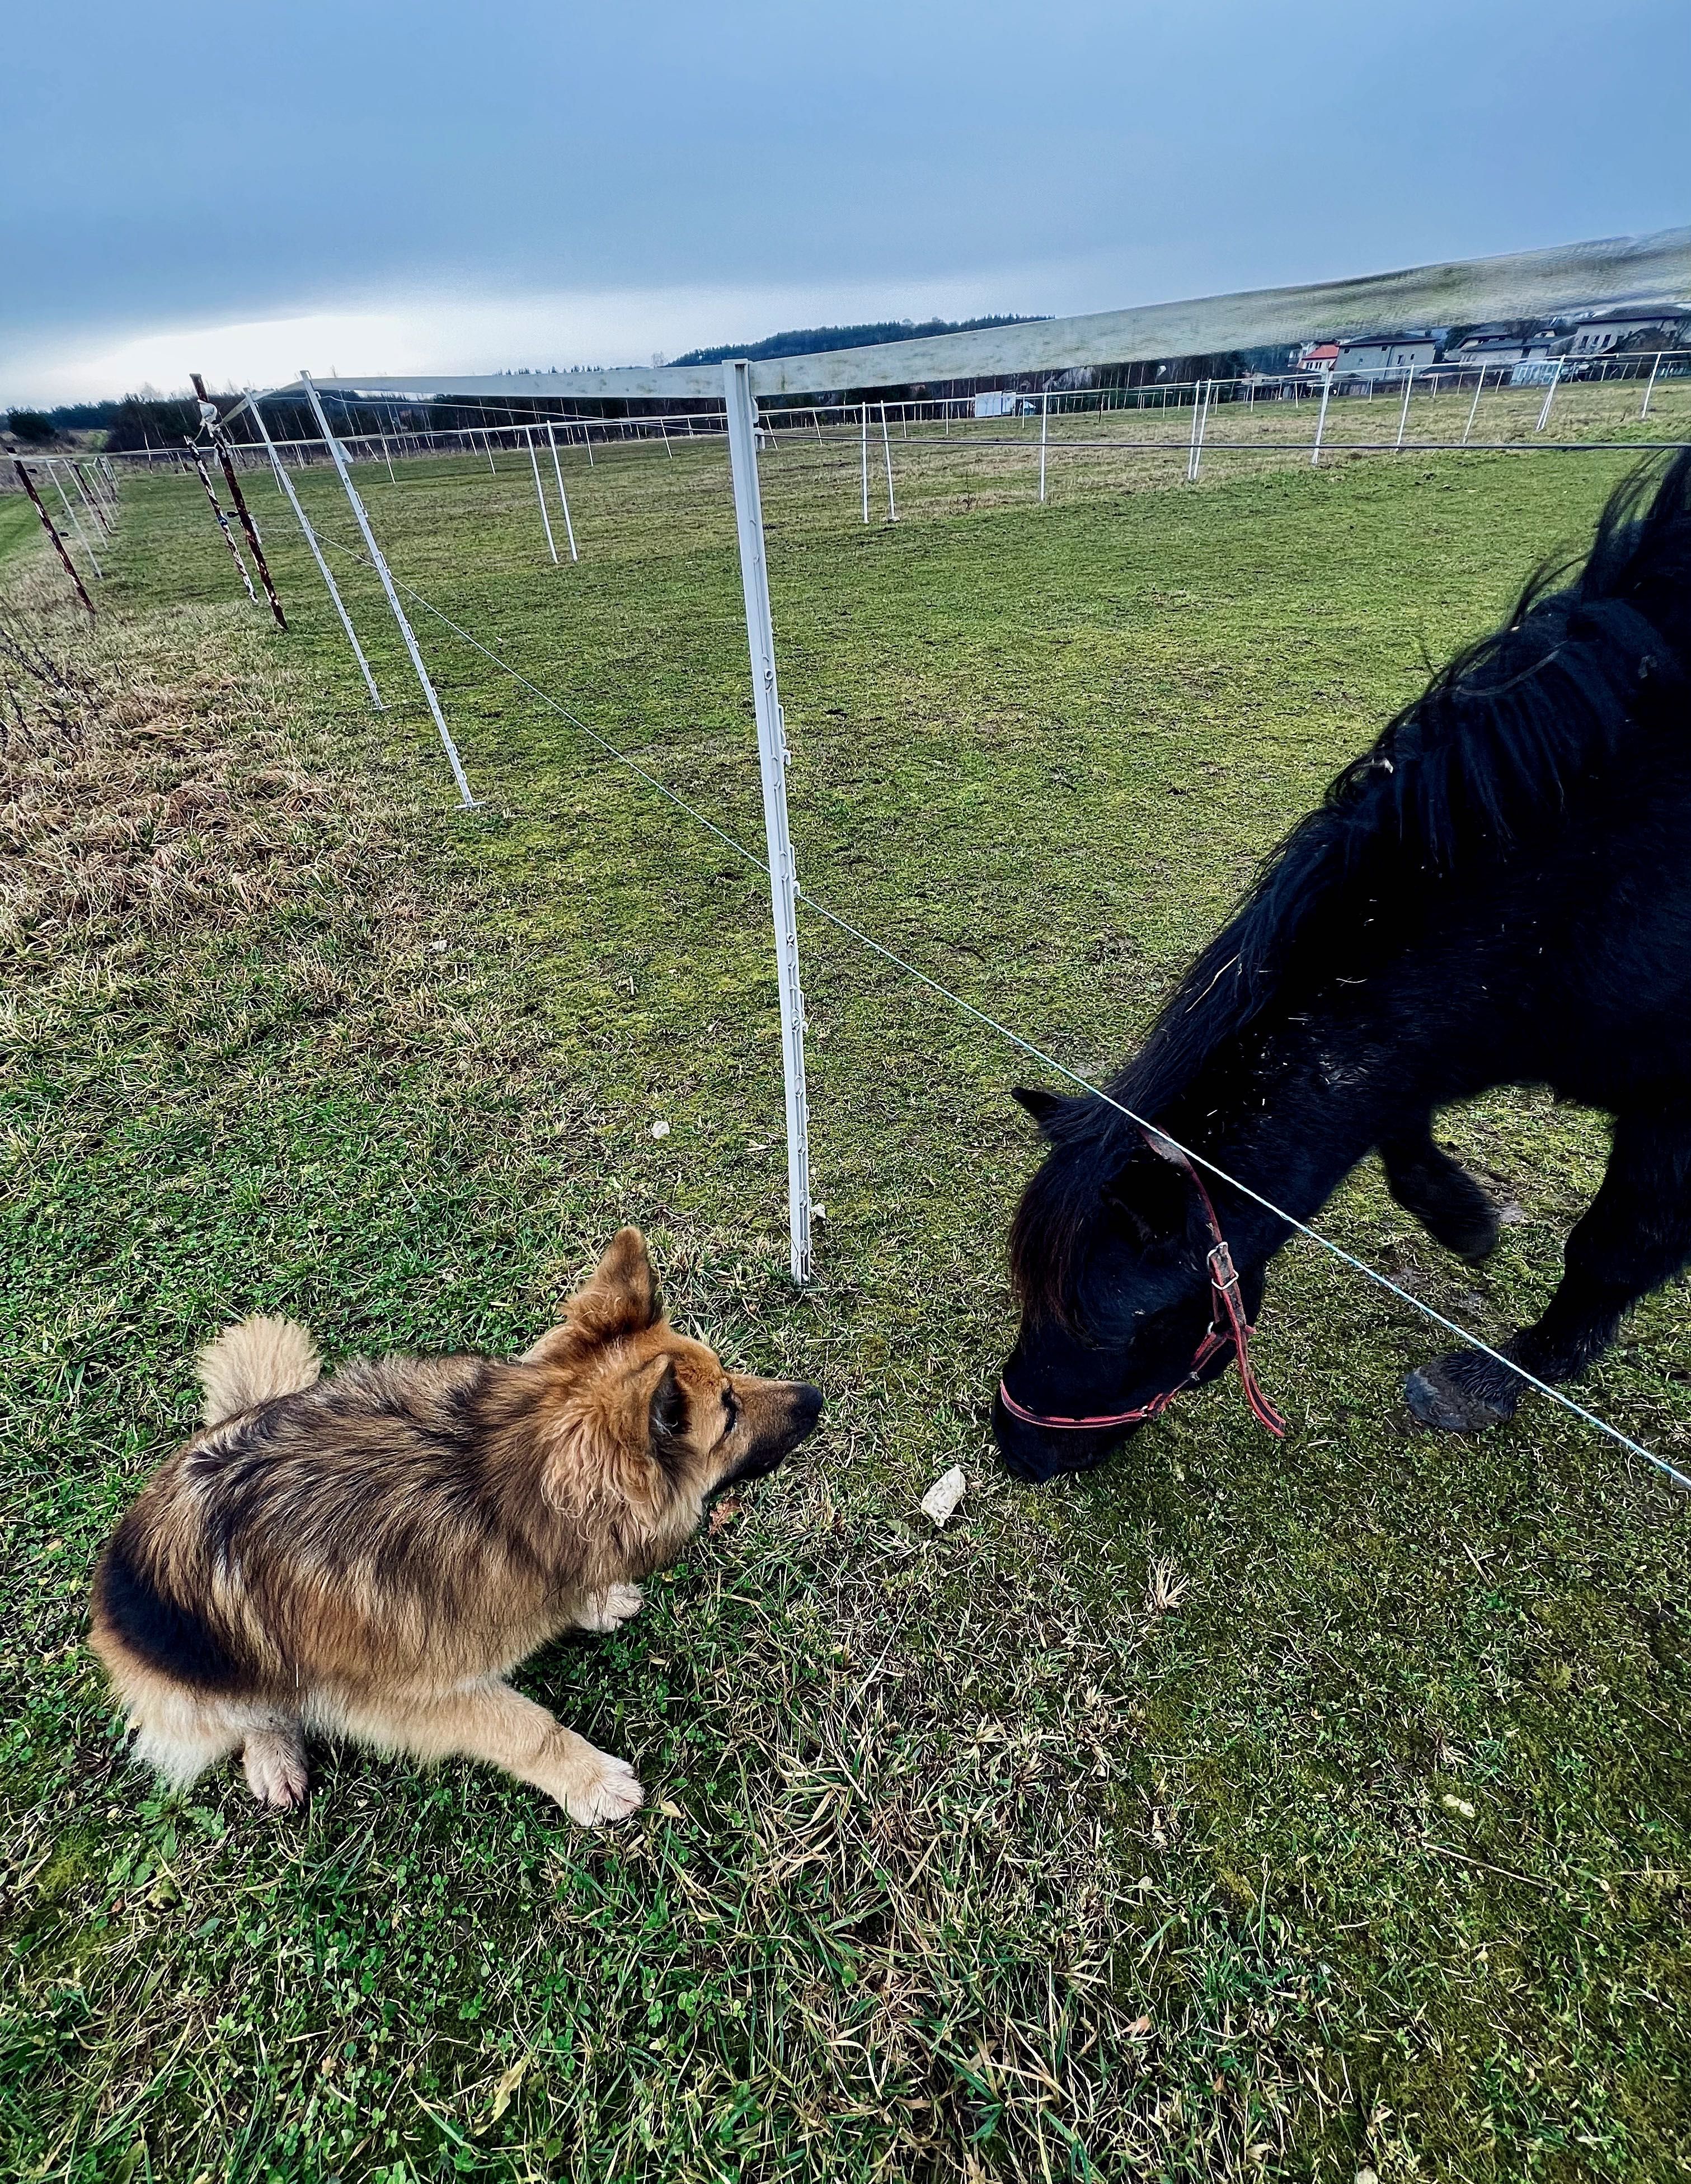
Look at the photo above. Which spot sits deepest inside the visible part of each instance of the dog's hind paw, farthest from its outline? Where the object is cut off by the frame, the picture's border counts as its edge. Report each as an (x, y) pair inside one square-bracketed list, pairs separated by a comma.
[(275, 1763), (610, 1609), (605, 1790)]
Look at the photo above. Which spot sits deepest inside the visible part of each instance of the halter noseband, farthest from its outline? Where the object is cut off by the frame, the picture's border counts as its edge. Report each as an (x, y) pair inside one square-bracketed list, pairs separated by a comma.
[(1228, 1329)]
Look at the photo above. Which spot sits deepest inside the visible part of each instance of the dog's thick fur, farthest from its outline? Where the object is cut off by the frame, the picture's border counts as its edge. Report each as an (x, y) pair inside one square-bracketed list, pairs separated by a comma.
[(371, 1554)]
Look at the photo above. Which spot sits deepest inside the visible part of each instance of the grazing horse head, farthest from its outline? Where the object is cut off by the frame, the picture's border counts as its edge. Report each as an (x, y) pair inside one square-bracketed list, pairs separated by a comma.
[(1128, 1290)]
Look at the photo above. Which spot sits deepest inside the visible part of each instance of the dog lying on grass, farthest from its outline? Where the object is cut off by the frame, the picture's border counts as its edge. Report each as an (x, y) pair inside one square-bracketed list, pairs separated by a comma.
[(370, 1555)]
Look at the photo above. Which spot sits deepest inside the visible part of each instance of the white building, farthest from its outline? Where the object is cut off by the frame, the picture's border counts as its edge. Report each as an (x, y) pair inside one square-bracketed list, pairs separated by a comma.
[(1387, 353), (1499, 348), (1597, 336)]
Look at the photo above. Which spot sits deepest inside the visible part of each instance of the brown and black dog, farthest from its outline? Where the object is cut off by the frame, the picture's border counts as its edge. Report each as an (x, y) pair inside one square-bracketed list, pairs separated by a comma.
[(370, 1555)]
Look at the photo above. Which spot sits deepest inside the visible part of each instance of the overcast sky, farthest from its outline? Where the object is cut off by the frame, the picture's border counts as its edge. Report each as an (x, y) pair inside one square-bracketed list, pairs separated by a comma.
[(361, 186)]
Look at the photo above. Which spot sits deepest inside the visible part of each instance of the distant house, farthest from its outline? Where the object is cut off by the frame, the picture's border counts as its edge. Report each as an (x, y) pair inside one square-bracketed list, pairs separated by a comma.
[(1488, 346), (1387, 353), (1317, 356), (1613, 330)]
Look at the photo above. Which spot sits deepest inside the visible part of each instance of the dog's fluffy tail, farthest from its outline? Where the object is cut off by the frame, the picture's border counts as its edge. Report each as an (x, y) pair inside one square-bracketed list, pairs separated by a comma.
[(253, 1364)]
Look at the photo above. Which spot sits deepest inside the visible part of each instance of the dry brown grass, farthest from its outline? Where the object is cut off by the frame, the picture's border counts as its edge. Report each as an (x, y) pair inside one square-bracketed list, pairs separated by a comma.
[(148, 782)]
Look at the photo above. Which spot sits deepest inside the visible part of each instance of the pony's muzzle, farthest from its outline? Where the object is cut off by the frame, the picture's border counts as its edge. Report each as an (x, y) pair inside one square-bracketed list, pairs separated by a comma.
[(1037, 1453)]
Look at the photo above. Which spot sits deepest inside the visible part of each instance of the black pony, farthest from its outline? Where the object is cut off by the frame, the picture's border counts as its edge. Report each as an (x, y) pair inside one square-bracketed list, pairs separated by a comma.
[(1498, 893)]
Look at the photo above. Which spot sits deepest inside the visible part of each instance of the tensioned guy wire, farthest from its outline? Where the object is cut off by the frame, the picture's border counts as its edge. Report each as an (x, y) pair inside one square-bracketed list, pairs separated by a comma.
[(1668, 1471)]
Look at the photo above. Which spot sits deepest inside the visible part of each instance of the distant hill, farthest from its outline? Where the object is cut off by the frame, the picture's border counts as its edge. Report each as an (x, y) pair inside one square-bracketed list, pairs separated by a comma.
[(807, 341)]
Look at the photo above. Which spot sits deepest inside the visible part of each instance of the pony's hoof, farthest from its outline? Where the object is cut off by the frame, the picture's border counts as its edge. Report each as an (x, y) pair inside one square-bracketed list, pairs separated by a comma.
[(1435, 1399), (1474, 1239)]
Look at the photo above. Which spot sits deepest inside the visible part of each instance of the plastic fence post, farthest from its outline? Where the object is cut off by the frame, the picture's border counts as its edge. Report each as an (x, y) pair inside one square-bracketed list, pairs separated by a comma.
[(546, 520), (563, 498), (1321, 416), (380, 566), (29, 486), (285, 484), (772, 760)]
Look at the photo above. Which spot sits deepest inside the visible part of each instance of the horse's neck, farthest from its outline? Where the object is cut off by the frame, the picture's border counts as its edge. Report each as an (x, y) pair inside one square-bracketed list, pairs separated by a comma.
[(1318, 1090)]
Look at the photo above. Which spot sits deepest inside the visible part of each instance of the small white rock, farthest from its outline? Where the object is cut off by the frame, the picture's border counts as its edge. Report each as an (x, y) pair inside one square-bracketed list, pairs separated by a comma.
[(939, 1502), (1459, 1805), (659, 1129), (439, 946)]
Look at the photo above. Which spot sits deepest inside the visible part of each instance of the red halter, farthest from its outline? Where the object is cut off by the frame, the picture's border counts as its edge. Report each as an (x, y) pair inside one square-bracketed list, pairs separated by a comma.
[(1229, 1329)]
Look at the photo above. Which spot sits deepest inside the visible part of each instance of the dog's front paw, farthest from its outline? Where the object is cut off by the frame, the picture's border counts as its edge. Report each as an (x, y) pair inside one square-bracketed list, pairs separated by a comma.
[(275, 1763), (610, 1609), (605, 1790)]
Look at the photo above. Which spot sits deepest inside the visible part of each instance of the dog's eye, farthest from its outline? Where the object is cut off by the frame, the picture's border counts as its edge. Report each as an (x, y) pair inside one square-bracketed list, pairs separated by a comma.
[(730, 1408)]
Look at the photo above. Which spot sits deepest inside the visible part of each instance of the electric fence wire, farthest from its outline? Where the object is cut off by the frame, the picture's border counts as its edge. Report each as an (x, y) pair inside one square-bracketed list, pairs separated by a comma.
[(1670, 1472)]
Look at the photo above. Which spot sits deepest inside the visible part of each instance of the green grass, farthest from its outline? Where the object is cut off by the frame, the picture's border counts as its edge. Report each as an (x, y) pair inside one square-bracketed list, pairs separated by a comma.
[(18, 523), (1239, 1810)]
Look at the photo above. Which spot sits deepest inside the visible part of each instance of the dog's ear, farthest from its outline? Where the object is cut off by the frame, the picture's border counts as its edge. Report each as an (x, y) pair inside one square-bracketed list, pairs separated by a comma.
[(666, 1417), (622, 1297)]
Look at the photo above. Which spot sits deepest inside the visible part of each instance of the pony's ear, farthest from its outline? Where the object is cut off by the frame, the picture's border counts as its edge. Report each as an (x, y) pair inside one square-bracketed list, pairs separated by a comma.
[(622, 1297), (1047, 1108), (1150, 1199)]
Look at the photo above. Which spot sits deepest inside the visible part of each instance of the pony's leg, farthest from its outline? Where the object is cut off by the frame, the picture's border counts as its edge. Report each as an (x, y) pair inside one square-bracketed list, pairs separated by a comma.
[(1442, 1195), (1635, 1235)]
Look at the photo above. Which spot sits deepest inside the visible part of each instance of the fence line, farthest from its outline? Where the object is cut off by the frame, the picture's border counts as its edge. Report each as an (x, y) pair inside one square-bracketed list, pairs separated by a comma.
[(1666, 365), (808, 900)]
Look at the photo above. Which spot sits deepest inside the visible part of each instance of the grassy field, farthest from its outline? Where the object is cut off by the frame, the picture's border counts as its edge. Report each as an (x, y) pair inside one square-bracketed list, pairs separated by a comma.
[(19, 524), (1239, 1810)]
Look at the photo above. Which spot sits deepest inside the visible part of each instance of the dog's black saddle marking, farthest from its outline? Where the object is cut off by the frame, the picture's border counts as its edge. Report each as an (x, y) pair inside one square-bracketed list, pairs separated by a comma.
[(169, 1637)]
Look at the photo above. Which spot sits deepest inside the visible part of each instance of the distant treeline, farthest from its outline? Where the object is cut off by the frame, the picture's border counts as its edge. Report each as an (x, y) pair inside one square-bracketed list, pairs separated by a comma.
[(808, 341), (139, 421), (142, 420)]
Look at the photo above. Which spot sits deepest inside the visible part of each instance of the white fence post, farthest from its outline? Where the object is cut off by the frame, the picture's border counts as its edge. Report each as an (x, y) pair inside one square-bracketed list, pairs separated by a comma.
[(380, 566), (540, 495), (1650, 389), (1473, 408), (1044, 428), (1321, 416), (96, 514), (287, 485), (1550, 395), (58, 488), (771, 762), (863, 413), (1403, 413), (563, 498), (886, 444), (1199, 416)]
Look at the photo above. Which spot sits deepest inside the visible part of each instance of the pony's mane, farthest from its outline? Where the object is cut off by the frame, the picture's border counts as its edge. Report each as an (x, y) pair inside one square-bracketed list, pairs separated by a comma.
[(1490, 747)]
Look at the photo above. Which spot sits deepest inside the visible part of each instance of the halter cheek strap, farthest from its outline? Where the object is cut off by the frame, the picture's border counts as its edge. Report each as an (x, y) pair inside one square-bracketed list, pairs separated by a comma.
[(1228, 1329)]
